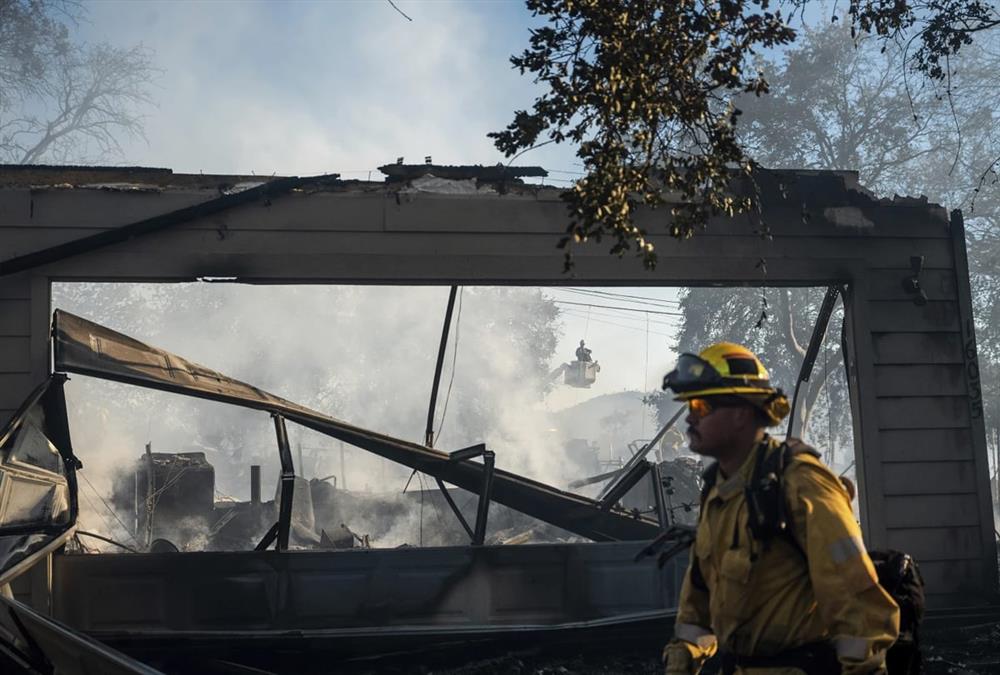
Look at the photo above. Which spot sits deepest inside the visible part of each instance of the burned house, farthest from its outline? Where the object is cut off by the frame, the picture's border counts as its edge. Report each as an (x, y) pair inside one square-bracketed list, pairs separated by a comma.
[(898, 266)]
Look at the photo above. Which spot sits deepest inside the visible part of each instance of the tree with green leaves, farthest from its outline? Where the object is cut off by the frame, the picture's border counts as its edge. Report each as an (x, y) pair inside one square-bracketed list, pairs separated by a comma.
[(650, 90), (842, 103), (63, 101)]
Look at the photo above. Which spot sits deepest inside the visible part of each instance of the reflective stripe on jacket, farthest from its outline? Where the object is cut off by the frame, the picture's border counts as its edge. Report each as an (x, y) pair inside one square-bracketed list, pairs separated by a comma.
[(760, 599)]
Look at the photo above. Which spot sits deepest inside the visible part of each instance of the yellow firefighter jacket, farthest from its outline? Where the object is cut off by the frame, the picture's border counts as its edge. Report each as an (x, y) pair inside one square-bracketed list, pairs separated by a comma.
[(754, 599)]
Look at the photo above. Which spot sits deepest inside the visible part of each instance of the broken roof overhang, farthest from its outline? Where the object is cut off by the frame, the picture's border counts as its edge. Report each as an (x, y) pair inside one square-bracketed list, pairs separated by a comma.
[(225, 201), (498, 173), (87, 348)]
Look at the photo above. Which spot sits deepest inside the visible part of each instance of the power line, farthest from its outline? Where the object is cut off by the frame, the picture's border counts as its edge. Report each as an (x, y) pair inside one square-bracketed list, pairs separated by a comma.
[(614, 324), (638, 303), (620, 309), (610, 294), (620, 325), (620, 318), (616, 314)]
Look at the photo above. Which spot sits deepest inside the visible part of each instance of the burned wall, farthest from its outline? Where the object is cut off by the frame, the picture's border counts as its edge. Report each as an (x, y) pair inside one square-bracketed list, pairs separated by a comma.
[(911, 358)]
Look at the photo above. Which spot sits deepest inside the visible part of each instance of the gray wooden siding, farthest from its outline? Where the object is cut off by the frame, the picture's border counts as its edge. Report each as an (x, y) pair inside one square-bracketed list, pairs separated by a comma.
[(920, 467), (16, 379), (925, 445)]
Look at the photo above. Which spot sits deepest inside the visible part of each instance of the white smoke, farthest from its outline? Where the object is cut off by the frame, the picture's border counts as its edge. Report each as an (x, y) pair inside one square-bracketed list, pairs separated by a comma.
[(365, 355)]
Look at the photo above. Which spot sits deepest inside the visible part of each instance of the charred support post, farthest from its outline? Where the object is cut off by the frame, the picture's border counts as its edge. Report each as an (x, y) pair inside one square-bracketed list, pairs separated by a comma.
[(489, 460), (627, 482), (460, 456), (663, 514), (255, 484), (287, 482), (429, 435), (812, 351), (454, 507), (150, 499)]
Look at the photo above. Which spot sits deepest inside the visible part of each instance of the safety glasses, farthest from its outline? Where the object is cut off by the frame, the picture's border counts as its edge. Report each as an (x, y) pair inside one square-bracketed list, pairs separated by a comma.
[(699, 408), (692, 372), (703, 407)]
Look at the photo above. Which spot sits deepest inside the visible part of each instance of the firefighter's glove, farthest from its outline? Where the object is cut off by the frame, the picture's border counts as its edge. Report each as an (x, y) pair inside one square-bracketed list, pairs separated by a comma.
[(684, 658)]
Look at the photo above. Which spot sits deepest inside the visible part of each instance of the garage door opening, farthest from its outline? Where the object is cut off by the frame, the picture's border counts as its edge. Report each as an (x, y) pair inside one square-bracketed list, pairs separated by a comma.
[(367, 355)]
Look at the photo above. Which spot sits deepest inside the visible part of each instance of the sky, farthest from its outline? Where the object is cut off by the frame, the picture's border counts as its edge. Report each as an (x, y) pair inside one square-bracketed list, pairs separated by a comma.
[(302, 88), (299, 88)]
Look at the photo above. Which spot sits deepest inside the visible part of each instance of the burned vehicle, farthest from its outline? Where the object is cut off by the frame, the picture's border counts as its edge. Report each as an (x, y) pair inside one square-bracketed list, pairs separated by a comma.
[(278, 607)]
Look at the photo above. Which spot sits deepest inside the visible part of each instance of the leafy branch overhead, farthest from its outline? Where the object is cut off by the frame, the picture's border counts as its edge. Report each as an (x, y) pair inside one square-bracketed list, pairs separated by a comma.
[(646, 89)]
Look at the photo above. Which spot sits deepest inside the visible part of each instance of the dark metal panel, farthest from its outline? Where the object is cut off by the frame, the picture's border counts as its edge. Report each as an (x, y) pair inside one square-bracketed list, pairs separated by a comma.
[(941, 543), (909, 348), (920, 511), (925, 445), (920, 380), (937, 316), (888, 285), (487, 586), (929, 478), (923, 412)]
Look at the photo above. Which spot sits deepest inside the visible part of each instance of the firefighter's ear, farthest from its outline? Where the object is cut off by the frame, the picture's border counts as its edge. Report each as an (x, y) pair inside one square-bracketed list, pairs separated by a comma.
[(747, 415)]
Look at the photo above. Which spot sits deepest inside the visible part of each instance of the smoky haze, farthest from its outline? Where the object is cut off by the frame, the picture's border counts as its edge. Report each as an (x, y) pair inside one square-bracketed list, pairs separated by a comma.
[(365, 355)]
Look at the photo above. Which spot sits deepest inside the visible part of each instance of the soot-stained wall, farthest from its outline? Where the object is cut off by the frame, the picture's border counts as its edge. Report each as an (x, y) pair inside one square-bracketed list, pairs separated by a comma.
[(919, 432)]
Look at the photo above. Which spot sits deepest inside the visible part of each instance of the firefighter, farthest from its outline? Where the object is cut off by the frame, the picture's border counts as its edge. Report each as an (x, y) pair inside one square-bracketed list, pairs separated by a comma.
[(796, 592)]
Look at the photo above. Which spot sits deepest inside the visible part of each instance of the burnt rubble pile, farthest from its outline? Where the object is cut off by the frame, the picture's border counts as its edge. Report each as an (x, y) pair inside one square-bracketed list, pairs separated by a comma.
[(176, 502)]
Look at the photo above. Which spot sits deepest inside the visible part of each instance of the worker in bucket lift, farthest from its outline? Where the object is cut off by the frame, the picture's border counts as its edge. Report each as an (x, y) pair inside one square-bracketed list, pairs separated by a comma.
[(778, 580), (582, 353)]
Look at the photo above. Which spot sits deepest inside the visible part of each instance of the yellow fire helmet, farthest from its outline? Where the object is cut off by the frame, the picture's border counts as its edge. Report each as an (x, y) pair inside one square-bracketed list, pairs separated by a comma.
[(727, 369)]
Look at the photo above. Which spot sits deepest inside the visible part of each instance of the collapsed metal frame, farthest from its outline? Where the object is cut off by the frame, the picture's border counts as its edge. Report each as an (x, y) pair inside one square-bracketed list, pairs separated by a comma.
[(87, 348), (477, 536), (278, 534)]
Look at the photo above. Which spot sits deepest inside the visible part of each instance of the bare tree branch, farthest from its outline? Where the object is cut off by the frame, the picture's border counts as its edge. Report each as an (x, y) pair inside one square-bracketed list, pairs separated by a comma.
[(66, 101), (399, 10)]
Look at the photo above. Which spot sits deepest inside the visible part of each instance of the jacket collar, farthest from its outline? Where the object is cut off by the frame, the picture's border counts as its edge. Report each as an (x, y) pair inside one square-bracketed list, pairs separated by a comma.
[(733, 485)]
